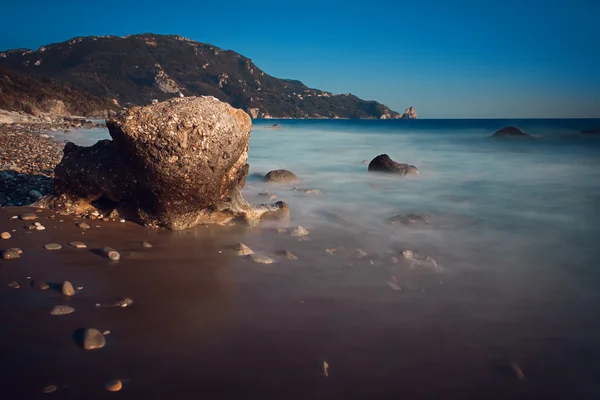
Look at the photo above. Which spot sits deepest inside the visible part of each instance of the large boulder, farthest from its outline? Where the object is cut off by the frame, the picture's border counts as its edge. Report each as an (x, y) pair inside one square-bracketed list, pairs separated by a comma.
[(383, 163), (281, 176), (175, 164), (510, 132)]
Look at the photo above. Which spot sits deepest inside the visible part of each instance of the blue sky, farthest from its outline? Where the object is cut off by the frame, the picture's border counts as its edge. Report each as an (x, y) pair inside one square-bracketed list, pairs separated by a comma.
[(450, 59)]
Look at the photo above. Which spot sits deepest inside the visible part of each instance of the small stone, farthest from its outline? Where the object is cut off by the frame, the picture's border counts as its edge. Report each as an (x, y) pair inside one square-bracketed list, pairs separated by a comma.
[(299, 231), (281, 230), (146, 245), (78, 245), (93, 339), (14, 285), (11, 254), (261, 259), (518, 372), (83, 225), (304, 239), (28, 216), (114, 385), (40, 228), (67, 289), (111, 253), (50, 389), (106, 333), (122, 220), (52, 246), (242, 250), (62, 310), (269, 196), (5, 235), (126, 302), (393, 285), (37, 223), (95, 213)]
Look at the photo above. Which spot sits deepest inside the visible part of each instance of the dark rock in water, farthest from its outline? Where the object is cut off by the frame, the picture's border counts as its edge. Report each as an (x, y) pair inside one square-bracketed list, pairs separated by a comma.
[(278, 211), (146, 245), (410, 219), (512, 132), (383, 163), (288, 255), (591, 131), (242, 250), (93, 339), (176, 164), (10, 254), (281, 176), (49, 389)]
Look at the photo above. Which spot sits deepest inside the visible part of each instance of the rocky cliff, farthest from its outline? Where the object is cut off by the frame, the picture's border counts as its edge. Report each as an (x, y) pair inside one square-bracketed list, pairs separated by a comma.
[(140, 69)]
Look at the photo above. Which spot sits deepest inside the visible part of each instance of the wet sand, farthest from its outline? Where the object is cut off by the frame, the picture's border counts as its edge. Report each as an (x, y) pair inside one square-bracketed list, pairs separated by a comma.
[(206, 324)]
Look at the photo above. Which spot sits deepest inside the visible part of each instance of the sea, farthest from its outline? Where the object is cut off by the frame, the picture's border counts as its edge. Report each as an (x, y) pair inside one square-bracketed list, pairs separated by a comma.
[(503, 275)]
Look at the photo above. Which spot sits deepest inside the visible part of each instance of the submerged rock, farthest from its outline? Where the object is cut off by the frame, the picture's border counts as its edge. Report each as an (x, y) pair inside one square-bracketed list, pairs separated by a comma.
[(308, 191), (10, 254), (383, 163), (78, 245), (299, 231), (511, 132), (281, 176), (176, 164), (52, 246), (407, 220), (5, 235)]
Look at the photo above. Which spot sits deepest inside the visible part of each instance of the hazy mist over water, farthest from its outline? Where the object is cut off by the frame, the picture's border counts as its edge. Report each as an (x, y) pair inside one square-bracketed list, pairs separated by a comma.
[(513, 229)]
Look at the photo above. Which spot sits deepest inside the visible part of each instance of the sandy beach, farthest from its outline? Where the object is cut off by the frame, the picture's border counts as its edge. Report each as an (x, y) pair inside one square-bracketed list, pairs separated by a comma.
[(205, 322)]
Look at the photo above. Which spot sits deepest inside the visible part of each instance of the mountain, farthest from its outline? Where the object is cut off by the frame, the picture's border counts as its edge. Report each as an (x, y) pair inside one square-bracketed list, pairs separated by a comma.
[(31, 95), (137, 69)]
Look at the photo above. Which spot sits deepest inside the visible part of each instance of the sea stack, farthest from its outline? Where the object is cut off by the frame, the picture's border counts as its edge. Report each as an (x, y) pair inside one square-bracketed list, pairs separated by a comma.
[(410, 113), (175, 164)]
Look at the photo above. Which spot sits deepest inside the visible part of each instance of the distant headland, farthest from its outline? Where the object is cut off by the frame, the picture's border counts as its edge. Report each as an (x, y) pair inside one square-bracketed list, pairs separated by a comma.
[(98, 75)]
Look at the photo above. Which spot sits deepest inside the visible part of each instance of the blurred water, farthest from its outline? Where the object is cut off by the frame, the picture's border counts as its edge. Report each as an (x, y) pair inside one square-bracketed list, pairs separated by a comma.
[(485, 198)]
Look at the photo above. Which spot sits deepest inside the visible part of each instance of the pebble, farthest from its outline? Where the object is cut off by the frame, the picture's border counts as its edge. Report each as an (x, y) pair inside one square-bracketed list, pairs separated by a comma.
[(121, 220), (114, 385), (393, 285), (146, 245), (299, 231), (261, 259), (126, 302), (40, 228), (14, 285), (111, 253), (83, 225), (28, 216), (67, 289), (281, 230), (37, 223), (52, 246), (50, 389), (10, 254), (242, 250), (408, 254), (62, 310), (5, 235), (93, 339), (78, 245)]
